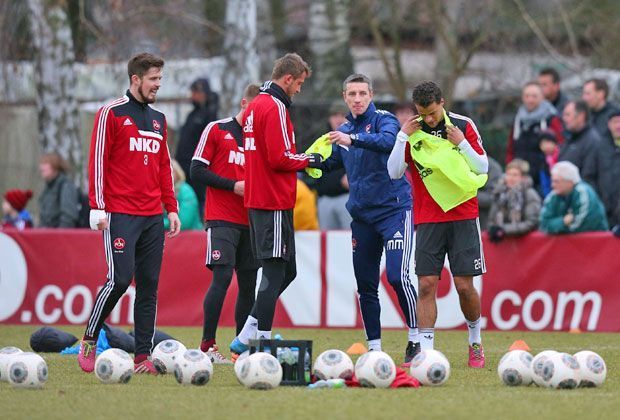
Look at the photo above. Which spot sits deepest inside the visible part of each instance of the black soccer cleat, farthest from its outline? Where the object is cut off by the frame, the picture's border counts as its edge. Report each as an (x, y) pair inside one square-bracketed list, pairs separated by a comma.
[(411, 351)]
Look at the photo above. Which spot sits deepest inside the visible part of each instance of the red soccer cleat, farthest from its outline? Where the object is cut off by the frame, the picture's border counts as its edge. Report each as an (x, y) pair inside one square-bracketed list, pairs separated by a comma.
[(476, 356), (145, 366)]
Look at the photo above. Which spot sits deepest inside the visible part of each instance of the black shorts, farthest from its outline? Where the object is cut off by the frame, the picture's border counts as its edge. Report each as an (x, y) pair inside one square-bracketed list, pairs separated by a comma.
[(272, 234), (461, 240), (230, 245)]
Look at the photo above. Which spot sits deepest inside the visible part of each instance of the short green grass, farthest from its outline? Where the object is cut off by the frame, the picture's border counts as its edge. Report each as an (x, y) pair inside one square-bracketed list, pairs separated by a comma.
[(473, 394)]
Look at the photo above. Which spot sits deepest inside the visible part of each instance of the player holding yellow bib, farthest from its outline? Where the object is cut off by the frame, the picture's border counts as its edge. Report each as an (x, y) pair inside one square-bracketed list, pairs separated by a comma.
[(445, 207)]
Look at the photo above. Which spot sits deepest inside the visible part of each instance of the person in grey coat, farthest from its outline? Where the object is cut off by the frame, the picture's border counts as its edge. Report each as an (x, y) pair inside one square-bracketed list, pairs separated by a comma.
[(58, 202), (582, 140), (516, 207), (603, 172)]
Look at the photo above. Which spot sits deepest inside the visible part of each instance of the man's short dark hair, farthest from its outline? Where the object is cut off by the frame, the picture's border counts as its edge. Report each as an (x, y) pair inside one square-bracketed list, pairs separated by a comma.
[(581, 107), (357, 78), (599, 84), (550, 71), (292, 64), (140, 64), (426, 93)]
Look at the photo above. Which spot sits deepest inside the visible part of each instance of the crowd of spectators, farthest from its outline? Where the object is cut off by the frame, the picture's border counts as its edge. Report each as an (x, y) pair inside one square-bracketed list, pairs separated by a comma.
[(561, 176)]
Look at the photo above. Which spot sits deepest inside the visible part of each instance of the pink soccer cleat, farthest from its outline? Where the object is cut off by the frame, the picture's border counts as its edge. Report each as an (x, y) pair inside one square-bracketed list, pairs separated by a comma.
[(86, 357), (476, 356), (145, 366)]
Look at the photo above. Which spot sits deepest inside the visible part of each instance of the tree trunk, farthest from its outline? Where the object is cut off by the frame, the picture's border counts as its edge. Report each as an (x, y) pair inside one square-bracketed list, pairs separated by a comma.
[(56, 81), (329, 35), (239, 52), (265, 40), (446, 48)]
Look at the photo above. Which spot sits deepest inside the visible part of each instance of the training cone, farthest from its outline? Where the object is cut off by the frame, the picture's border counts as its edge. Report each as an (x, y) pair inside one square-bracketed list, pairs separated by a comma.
[(357, 348), (519, 345), (575, 330)]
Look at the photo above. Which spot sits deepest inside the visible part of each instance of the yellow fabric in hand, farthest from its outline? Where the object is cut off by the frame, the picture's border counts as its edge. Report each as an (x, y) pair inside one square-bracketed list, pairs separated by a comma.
[(323, 147), (443, 169)]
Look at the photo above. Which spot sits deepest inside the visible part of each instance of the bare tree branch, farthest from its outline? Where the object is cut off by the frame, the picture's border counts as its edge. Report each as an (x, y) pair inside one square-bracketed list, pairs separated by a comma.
[(163, 10), (398, 87), (572, 38), (542, 37)]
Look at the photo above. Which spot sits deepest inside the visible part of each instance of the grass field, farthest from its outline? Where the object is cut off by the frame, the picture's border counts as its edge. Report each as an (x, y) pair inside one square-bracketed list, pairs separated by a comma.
[(473, 394)]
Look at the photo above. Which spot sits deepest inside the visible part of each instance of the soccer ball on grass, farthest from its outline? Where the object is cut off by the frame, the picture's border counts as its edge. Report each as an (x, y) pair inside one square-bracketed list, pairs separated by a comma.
[(114, 366)]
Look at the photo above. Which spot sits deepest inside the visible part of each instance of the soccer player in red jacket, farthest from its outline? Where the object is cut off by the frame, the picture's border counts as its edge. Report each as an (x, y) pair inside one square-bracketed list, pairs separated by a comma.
[(455, 232), (218, 162), (271, 163), (129, 178)]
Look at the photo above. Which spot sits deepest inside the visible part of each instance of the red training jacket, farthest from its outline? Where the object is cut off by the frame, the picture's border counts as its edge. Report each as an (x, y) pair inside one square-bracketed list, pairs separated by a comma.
[(129, 168), (271, 161)]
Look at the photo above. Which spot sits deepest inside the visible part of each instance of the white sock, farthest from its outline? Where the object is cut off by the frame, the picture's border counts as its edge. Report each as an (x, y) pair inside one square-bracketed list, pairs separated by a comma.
[(427, 338), (374, 345), (263, 335), (413, 335), (474, 331), (248, 332)]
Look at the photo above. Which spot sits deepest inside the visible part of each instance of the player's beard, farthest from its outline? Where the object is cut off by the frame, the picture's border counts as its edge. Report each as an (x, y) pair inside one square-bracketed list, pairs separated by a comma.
[(144, 96)]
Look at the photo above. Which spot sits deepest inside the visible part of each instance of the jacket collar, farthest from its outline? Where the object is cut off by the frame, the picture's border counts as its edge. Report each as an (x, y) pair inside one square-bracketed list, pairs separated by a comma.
[(576, 134), (134, 100), (363, 117), (277, 92)]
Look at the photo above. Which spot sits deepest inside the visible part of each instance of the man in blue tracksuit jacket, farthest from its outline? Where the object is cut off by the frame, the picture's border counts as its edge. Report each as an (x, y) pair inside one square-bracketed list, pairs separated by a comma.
[(380, 208)]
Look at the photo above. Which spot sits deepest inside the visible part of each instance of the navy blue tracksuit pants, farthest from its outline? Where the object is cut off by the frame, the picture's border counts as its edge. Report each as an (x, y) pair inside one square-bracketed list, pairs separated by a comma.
[(395, 235)]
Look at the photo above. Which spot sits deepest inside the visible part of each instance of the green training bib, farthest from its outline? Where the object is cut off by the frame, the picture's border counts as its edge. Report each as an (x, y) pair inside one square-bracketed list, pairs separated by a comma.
[(323, 147), (443, 169)]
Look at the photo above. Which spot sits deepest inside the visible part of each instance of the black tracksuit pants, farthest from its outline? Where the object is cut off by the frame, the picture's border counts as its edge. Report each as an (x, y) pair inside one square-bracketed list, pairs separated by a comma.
[(134, 246)]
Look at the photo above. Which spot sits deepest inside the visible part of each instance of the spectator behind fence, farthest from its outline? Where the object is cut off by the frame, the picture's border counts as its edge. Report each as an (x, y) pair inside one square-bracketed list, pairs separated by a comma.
[(304, 213), (603, 172), (14, 210), (582, 140), (485, 194), (333, 187), (573, 206), (206, 103), (534, 116), (516, 205), (595, 93), (58, 202), (549, 80), (188, 203), (549, 146)]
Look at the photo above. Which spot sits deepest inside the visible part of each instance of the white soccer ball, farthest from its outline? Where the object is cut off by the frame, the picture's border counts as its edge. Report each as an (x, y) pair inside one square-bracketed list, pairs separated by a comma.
[(542, 368), (27, 370), (430, 367), (166, 354), (375, 369), (333, 364), (193, 368), (114, 366), (6, 354), (260, 371), (239, 363), (592, 369), (565, 371), (515, 368)]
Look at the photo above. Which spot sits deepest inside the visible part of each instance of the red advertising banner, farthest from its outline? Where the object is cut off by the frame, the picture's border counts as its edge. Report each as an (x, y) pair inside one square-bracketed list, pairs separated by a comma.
[(536, 282)]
